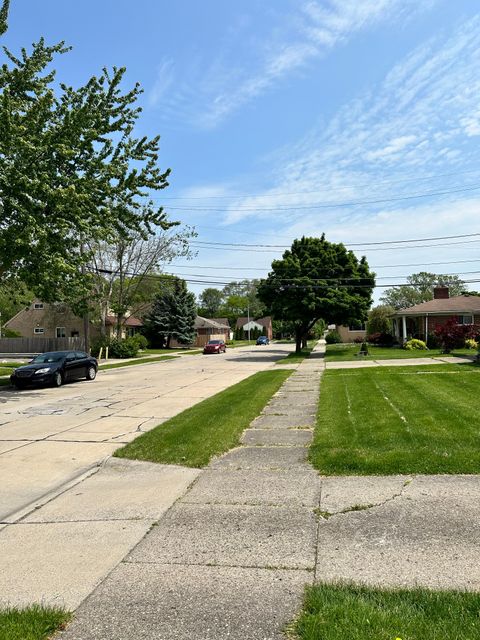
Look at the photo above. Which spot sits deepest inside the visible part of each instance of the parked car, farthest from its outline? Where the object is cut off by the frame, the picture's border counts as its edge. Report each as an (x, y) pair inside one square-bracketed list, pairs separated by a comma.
[(215, 346), (55, 367), (263, 340)]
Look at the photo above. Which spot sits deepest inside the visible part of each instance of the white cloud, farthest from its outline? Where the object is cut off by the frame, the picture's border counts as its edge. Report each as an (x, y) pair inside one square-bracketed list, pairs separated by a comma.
[(307, 33)]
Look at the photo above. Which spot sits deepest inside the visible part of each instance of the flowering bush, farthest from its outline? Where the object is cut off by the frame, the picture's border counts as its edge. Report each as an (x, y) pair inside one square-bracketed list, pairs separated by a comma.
[(453, 335), (470, 343), (381, 339), (415, 345)]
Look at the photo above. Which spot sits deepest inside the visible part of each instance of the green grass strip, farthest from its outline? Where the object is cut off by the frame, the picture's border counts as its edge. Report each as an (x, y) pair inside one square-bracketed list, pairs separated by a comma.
[(209, 428), (348, 612), (346, 352), (33, 623), (132, 363), (398, 420), (294, 358)]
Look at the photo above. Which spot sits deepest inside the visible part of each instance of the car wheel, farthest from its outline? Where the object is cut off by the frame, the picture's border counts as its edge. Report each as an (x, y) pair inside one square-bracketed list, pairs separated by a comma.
[(91, 373), (57, 379), (19, 386)]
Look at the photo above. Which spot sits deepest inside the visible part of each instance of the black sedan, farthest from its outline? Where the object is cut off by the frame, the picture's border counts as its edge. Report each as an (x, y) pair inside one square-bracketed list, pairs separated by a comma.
[(55, 367)]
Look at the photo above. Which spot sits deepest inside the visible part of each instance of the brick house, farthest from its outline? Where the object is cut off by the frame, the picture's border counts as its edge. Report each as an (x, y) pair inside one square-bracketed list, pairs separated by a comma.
[(56, 320), (420, 320)]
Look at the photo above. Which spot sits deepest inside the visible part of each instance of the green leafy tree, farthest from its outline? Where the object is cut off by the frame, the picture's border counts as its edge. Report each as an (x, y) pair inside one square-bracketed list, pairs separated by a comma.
[(172, 315), (420, 289), (211, 300), (71, 170), (379, 319), (4, 16), (317, 279), (14, 296)]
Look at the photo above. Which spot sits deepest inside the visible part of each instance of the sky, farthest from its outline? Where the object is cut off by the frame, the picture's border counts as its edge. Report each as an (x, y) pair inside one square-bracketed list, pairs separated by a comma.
[(359, 119)]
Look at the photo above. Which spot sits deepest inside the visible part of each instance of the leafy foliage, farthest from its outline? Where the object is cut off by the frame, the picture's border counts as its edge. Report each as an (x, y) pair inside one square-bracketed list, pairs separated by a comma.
[(70, 169), (420, 289), (379, 320), (415, 345), (317, 279), (452, 335), (333, 337), (210, 302)]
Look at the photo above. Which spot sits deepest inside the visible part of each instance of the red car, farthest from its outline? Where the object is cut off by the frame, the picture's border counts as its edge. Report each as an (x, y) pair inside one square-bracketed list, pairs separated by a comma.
[(215, 346)]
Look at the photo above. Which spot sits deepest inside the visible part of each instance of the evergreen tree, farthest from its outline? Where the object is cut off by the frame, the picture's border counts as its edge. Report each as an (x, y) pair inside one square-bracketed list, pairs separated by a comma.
[(172, 315)]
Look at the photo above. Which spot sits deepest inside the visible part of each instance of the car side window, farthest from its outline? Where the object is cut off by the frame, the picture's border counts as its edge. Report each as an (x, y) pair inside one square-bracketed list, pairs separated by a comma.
[(80, 355), (70, 357)]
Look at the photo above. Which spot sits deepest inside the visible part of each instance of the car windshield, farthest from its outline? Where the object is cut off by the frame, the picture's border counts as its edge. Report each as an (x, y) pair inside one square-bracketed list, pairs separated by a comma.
[(215, 342), (43, 358)]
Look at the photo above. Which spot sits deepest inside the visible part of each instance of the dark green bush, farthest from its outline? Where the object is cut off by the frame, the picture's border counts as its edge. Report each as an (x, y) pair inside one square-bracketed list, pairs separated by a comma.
[(333, 337), (127, 348), (141, 341)]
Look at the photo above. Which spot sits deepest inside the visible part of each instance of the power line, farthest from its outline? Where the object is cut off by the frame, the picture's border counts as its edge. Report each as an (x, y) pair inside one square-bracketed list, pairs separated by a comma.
[(378, 266), (331, 205), (326, 190), (347, 244)]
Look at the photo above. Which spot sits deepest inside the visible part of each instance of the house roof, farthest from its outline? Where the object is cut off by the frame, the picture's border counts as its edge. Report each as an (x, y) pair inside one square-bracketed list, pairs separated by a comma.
[(222, 321), (206, 323), (441, 306), (131, 321), (264, 322)]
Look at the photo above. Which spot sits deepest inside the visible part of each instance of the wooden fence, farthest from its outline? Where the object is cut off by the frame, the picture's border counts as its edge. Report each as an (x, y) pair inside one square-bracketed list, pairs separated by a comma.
[(40, 345)]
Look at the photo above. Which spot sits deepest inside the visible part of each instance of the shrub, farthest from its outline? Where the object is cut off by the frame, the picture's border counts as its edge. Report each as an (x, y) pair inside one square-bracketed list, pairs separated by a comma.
[(141, 341), (127, 348), (333, 337), (381, 339), (470, 343), (452, 335), (432, 341), (415, 345), (10, 333), (358, 340)]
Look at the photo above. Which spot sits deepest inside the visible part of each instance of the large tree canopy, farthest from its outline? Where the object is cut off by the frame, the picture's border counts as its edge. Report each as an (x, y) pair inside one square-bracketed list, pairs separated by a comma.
[(420, 289), (71, 171), (172, 315), (317, 279)]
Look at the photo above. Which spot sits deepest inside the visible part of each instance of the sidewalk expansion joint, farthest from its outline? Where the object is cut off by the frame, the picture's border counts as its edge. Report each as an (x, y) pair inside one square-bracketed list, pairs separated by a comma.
[(268, 567)]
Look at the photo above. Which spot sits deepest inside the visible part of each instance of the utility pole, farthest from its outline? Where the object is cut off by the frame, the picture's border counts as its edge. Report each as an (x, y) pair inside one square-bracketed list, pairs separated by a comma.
[(248, 321)]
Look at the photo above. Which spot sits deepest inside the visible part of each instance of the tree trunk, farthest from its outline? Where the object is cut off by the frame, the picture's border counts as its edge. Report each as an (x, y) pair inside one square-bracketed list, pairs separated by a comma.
[(298, 339)]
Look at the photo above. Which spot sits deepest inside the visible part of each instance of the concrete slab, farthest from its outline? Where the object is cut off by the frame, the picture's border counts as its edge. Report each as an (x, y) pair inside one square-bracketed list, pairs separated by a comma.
[(32, 471), (122, 489), (233, 535), (60, 564), (277, 437), (9, 445), (262, 458), (282, 421), (344, 492), (187, 603), (424, 540), (282, 487)]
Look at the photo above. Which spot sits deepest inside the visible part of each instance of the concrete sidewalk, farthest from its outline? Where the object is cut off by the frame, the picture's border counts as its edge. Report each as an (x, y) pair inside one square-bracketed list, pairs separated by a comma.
[(399, 362), (230, 559)]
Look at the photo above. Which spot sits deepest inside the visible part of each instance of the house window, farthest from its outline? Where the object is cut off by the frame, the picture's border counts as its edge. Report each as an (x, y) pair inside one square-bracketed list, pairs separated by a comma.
[(357, 326), (465, 320), (39, 330), (60, 332), (38, 305)]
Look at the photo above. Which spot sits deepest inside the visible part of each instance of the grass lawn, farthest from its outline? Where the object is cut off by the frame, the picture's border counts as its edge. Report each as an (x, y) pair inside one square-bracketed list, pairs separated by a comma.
[(340, 352), (150, 352), (6, 368), (346, 612), (32, 623), (209, 428), (398, 420), (131, 363), (294, 358)]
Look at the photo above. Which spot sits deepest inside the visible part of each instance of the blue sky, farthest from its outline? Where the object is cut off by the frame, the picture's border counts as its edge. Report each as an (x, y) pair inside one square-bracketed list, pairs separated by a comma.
[(288, 117)]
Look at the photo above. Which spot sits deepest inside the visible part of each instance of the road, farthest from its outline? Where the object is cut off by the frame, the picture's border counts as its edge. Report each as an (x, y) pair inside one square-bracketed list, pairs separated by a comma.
[(49, 437)]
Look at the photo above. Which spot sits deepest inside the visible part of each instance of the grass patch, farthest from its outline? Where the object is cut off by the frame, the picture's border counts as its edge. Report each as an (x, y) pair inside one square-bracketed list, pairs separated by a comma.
[(294, 358), (398, 420), (33, 623), (131, 363), (147, 352), (209, 428), (341, 612), (342, 352)]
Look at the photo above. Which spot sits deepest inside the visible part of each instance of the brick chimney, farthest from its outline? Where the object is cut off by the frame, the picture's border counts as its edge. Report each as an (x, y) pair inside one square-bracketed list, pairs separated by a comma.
[(440, 293)]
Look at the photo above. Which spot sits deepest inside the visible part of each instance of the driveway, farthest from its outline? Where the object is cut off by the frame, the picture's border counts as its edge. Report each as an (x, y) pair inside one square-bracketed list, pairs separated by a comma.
[(49, 437)]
